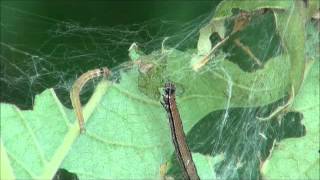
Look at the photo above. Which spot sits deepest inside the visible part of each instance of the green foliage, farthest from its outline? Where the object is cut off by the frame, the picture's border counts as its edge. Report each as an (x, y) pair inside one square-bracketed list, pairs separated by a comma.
[(299, 158), (124, 126), (224, 9), (127, 133)]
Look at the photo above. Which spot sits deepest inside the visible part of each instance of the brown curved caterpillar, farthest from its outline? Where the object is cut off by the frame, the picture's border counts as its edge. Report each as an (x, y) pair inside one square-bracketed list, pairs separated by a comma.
[(76, 89)]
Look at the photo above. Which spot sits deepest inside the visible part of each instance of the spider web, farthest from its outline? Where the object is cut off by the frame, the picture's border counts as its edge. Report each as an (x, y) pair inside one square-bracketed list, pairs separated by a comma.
[(233, 132), (41, 62)]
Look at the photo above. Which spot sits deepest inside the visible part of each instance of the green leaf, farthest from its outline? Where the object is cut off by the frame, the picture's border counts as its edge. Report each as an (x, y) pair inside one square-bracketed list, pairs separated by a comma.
[(205, 164), (127, 132), (221, 84), (6, 170), (299, 158), (224, 9), (37, 141), (291, 27)]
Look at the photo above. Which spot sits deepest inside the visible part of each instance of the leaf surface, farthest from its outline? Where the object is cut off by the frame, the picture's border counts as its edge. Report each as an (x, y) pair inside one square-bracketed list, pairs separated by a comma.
[(299, 158), (127, 132), (36, 141)]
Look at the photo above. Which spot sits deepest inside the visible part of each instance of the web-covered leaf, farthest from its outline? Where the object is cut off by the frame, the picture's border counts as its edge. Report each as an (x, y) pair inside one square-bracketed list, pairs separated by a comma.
[(124, 126), (127, 133)]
